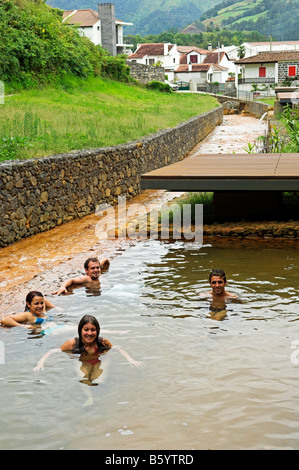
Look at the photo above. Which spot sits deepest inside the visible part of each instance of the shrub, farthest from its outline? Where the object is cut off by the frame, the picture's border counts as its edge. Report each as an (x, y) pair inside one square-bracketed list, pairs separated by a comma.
[(36, 47), (160, 86)]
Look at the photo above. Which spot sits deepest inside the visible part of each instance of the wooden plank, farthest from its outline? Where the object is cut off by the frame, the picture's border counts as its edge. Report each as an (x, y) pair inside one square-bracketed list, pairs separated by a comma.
[(227, 171)]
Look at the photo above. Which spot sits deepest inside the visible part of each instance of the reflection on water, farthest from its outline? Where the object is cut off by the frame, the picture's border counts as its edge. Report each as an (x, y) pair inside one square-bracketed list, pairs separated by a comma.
[(206, 384)]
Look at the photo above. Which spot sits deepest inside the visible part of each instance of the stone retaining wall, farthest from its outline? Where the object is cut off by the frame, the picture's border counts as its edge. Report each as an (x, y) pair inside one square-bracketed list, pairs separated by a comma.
[(255, 230), (39, 194), (256, 108), (146, 73)]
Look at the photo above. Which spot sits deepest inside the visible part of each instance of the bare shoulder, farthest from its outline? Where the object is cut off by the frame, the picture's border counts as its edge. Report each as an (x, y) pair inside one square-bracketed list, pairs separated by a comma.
[(68, 345), (81, 279), (106, 343), (229, 295)]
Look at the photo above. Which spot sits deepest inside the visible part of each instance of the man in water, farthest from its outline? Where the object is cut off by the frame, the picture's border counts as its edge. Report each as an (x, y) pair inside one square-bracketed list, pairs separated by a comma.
[(219, 295), (217, 280), (92, 268)]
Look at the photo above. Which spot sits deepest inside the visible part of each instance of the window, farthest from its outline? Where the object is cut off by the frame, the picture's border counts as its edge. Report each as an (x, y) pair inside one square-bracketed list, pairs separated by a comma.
[(262, 72), (292, 71), (151, 61), (193, 59)]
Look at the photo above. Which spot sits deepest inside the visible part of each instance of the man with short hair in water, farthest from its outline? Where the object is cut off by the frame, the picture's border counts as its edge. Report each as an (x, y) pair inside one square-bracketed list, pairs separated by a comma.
[(93, 268), (217, 280)]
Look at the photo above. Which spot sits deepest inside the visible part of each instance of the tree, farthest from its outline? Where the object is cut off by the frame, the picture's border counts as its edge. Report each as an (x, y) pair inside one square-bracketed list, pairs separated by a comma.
[(241, 52)]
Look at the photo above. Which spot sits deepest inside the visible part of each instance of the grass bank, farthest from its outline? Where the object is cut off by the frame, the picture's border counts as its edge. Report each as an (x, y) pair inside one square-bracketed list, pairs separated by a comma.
[(89, 113)]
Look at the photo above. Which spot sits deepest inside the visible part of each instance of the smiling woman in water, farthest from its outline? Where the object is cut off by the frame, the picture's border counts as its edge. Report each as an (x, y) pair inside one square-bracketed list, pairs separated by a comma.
[(34, 314), (89, 345)]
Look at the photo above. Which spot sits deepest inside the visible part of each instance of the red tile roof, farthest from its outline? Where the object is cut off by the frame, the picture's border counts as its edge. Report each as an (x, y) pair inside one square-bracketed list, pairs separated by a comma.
[(149, 49), (81, 17), (195, 68), (87, 17), (264, 57), (213, 57), (188, 49)]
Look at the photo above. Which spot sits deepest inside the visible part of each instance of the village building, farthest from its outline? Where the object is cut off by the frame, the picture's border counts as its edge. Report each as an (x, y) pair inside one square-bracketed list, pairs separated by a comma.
[(254, 48), (191, 54), (165, 55), (185, 63), (210, 67), (267, 69), (201, 74), (232, 52), (101, 27)]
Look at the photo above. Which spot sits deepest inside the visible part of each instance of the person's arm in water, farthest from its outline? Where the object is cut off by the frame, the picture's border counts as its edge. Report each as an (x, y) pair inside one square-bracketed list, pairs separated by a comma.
[(70, 282), (104, 264), (40, 364), (18, 319), (48, 305), (67, 346), (128, 357)]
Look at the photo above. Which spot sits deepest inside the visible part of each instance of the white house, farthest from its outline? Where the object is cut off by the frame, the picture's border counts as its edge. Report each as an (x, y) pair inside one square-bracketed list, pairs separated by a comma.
[(191, 54), (185, 63), (164, 54), (254, 48), (267, 68), (91, 25), (200, 73), (232, 52), (221, 59), (88, 21)]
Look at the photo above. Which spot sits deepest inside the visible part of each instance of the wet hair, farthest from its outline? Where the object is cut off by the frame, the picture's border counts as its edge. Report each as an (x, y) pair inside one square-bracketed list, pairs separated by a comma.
[(30, 296), (94, 260), (79, 346), (217, 272)]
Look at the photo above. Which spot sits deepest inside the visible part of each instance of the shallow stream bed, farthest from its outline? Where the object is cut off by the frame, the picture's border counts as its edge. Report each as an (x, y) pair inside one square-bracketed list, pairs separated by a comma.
[(206, 384)]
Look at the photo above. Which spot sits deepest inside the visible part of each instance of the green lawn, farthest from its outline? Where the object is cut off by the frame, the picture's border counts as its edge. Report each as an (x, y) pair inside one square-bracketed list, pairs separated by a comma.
[(269, 100), (88, 114)]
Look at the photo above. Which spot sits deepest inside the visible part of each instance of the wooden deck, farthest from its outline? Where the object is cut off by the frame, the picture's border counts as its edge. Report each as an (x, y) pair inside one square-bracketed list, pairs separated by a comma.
[(228, 172)]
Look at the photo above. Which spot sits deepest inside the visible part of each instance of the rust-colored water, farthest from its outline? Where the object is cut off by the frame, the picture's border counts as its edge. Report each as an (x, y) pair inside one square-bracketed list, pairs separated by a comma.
[(66, 247), (57, 252)]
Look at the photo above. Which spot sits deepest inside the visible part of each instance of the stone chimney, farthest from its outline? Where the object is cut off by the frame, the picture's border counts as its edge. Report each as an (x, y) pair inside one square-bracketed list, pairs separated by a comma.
[(106, 13)]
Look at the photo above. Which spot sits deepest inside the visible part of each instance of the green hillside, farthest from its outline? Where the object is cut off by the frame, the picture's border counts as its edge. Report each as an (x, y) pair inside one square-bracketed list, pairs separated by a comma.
[(36, 47), (278, 18), (148, 16)]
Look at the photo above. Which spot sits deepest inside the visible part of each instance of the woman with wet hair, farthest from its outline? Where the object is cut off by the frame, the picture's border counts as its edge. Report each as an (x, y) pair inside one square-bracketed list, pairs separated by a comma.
[(29, 298), (90, 345), (34, 314)]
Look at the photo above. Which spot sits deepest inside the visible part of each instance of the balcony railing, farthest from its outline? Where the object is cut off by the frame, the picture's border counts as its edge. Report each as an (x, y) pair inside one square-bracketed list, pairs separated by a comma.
[(256, 80), (123, 41)]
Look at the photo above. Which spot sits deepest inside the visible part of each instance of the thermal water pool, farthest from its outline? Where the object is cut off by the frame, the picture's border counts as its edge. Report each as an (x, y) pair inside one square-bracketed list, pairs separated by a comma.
[(206, 384)]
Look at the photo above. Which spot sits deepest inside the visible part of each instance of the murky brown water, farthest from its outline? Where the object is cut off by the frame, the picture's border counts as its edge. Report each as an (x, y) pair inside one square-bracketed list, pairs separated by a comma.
[(206, 384)]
